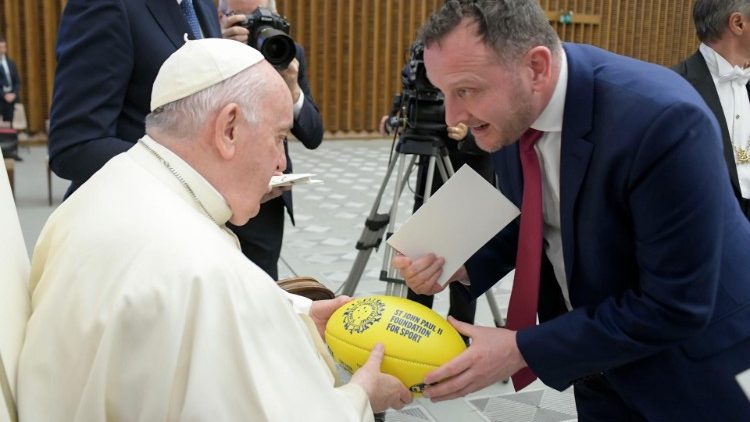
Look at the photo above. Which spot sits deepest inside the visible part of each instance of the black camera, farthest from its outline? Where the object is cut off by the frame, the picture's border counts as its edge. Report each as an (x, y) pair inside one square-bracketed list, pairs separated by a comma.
[(269, 34), (422, 104)]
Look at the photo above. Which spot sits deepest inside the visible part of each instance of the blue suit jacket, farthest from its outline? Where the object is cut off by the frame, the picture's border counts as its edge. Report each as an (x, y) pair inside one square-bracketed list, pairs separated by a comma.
[(656, 250), (108, 55)]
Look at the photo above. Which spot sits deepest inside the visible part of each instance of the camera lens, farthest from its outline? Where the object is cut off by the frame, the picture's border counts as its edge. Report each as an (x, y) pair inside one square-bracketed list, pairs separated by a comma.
[(277, 47)]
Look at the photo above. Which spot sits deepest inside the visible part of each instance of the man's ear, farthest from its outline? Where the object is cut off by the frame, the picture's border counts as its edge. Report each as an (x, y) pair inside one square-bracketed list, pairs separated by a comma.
[(539, 62), (226, 130), (736, 23)]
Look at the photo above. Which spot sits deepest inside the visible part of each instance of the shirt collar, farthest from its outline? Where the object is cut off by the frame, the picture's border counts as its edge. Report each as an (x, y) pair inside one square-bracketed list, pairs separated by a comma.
[(205, 193), (551, 119), (717, 64)]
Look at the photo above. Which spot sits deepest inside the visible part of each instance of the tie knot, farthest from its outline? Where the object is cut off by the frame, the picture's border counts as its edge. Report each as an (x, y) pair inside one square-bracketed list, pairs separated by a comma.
[(529, 138)]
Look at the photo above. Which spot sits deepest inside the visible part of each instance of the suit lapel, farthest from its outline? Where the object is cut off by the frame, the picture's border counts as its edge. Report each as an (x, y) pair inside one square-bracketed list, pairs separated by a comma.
[(169, 17), (575, 150), (698, 75)]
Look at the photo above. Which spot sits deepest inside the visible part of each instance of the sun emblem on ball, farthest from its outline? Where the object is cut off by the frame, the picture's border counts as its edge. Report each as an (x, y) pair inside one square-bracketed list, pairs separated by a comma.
[(363, 314)]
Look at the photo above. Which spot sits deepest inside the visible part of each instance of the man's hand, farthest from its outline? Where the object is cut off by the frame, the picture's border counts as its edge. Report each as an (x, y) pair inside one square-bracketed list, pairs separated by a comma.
[(9, 97), (383, 390), (274, 193), (290, 75), (230, 30), (321, 310), (458, 132), (492, 356), (421, 275)]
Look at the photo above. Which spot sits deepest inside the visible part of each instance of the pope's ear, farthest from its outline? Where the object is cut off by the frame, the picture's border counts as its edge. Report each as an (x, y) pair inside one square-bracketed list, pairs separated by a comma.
[(226, 130)]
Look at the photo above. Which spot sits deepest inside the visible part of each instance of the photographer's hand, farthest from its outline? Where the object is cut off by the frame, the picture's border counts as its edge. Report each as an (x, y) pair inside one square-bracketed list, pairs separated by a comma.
[(382, 128), (290, 75), (458, 132), (230, 30)]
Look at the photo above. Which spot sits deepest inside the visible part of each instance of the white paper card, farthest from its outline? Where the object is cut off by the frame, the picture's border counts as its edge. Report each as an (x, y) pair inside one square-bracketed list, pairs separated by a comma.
[(455, 222), (293, 179), (744, 379)]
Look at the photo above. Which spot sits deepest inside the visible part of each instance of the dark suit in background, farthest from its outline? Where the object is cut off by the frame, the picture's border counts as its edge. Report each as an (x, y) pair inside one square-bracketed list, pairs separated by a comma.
[(108, 55), (260, 239), (695, 70), (9, 83), (656, 251)]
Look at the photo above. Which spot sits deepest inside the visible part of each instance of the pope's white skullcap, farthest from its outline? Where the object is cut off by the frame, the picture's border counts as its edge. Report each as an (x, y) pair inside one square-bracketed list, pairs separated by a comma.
[(199, 64)]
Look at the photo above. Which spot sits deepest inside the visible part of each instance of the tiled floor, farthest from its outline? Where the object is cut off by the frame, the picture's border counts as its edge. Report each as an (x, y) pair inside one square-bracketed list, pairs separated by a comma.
[(330, 218)]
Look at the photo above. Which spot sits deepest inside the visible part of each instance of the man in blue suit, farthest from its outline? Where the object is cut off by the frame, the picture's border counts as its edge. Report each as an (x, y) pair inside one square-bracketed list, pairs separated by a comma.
[(261, 238), (630, 248), (108, 55)]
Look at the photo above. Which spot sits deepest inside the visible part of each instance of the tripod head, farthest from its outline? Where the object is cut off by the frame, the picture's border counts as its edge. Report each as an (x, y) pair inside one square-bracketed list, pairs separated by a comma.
[(421, 118)]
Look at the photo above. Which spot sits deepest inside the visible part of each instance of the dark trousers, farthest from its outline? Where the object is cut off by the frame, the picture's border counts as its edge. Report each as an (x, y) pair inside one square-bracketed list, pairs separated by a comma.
[(6, 110), (596, 401), (260, 239)]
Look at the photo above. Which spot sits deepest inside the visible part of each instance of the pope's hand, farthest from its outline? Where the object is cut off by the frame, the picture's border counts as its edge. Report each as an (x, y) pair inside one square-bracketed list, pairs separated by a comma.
[(321, 310), (383, 390), (492, 356)]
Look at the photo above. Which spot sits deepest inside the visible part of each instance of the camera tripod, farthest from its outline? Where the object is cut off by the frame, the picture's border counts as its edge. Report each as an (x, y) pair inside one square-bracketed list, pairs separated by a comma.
[(409, 146)]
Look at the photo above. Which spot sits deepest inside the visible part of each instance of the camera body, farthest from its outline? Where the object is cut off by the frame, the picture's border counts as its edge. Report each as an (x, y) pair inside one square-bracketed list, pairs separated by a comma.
[(422, 104), (269, 34)]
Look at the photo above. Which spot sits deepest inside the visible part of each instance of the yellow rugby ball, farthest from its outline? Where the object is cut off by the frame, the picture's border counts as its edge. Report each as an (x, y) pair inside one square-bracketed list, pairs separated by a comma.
[(416, 339)]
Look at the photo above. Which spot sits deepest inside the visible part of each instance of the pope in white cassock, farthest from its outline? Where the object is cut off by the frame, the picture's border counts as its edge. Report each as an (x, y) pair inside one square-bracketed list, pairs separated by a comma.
[(144, 307)]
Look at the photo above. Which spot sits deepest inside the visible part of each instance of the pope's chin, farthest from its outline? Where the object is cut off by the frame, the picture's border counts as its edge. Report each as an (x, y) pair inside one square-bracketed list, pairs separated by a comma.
[(240, 217)]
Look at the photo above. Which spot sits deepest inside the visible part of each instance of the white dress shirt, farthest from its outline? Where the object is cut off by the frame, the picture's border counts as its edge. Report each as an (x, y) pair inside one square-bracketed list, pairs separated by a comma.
[(548, 150), (735, 103)]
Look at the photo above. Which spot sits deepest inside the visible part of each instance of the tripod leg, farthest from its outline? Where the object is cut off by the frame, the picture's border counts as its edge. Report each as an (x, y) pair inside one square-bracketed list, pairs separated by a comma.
[(388, 273), (499, 322), (372, 234)]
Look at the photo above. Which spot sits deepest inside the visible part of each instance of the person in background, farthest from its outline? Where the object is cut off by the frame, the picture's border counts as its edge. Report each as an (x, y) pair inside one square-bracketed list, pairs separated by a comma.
[(9, 81), (108, 54), (630, 249), (261, 237), (142, 300), (719, 72)]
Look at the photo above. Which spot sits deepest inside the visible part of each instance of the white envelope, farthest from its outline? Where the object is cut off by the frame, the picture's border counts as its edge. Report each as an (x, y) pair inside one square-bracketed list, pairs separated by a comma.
[(293, 179), (455, 222)]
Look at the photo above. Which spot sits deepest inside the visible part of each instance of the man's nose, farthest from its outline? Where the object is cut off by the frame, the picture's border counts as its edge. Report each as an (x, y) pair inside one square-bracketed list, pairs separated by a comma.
[(454, 113)]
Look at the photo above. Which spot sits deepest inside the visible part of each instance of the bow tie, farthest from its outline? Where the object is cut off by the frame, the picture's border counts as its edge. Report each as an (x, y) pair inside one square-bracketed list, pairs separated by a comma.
[(736, 74)]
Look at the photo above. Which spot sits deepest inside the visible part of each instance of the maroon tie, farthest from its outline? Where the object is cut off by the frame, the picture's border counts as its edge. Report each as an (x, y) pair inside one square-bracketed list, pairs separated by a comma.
[(525, 294)]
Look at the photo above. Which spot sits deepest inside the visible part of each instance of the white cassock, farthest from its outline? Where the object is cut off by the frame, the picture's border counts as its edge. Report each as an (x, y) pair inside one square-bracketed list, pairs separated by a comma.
[(144, 309)]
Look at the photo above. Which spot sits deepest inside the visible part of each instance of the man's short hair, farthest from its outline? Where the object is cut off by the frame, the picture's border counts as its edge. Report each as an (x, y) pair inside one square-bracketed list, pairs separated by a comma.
[(712, 16), (509, 27)]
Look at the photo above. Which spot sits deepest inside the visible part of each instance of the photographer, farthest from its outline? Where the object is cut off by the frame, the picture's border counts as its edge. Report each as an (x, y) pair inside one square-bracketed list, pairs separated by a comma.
[(462, 149), (261, 237)]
